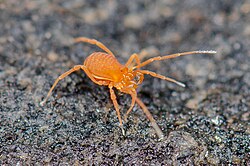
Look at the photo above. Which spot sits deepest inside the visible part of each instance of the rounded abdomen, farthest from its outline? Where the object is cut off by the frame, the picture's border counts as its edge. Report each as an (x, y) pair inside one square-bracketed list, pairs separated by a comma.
[(104, 65)]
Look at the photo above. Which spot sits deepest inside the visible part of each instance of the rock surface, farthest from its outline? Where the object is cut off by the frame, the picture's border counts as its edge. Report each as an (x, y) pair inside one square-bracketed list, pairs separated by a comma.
[(205, 123)]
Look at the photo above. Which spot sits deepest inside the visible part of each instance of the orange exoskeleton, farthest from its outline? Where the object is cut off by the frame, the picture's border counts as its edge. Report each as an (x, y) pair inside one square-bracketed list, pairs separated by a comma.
[(104, 69)]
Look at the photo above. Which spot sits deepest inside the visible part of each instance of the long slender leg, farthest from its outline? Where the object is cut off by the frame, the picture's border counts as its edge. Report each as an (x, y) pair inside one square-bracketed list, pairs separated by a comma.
[(92, 78), (159, 58), (75, 68), (133, 96), (113, 98), (132, 57), (162, 77), (150, 117), (95, 42)]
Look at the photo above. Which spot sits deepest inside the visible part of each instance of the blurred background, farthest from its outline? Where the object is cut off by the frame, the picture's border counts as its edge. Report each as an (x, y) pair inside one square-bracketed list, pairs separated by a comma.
[(206, 123)]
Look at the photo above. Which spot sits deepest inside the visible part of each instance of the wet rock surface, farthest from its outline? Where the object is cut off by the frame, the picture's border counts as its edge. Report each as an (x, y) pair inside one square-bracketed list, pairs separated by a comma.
[(205, 123)]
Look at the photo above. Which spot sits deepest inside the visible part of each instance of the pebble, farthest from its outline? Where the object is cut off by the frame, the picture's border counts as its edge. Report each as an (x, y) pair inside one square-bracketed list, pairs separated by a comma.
[(52, 56), (134, 21)]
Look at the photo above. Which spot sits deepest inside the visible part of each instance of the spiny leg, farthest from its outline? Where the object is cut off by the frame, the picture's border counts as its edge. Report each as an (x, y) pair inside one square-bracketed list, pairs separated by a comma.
[(159, 58), (132, 57), (162, 77), (150, 117), (75, 68), (113, 98), (95, 42)]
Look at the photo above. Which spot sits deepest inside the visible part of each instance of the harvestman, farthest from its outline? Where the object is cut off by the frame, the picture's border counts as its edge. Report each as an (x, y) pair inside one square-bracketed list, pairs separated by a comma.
[(104, 69)]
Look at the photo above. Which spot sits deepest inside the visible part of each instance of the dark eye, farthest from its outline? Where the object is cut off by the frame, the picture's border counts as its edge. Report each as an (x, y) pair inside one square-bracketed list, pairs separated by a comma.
[(124, 69)]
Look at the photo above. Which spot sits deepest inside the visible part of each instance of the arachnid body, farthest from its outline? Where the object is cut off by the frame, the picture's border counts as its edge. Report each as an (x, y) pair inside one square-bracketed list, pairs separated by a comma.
[(104, 69)]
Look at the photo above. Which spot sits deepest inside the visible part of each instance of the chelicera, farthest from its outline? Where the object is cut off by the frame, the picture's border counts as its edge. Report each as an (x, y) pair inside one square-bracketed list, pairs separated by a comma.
[(104, 69)]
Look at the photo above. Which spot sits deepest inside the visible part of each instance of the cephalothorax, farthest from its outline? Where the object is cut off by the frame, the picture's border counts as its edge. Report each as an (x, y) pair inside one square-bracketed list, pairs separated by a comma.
[(104, 69)]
